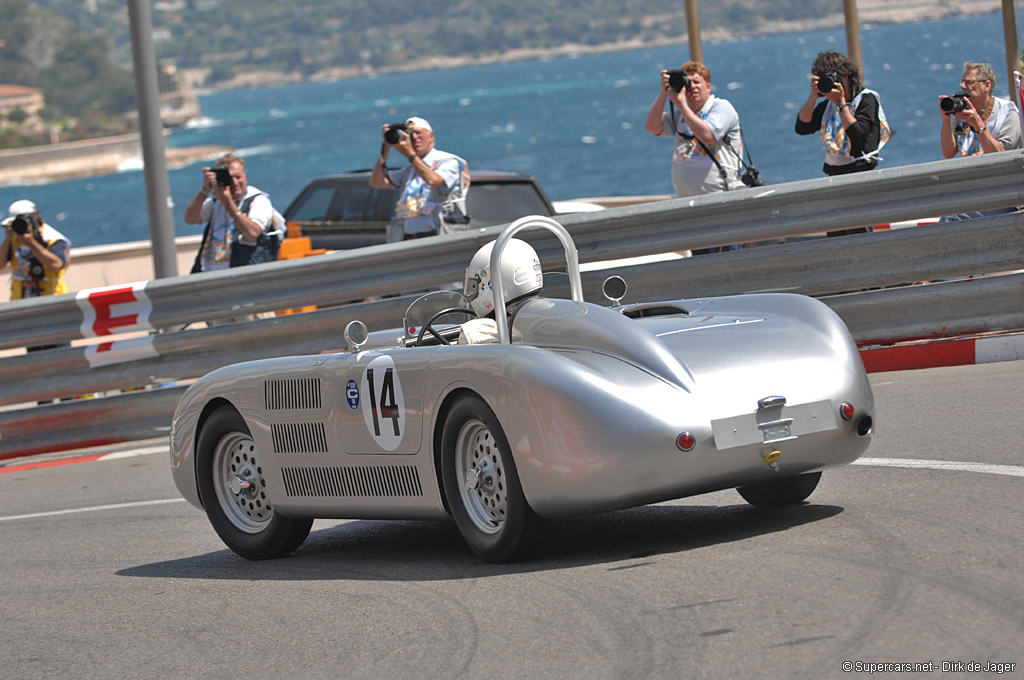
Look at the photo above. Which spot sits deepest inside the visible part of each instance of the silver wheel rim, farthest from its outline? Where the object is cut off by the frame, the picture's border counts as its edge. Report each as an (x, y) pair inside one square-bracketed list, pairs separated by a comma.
[(481, 477), (238, 482)]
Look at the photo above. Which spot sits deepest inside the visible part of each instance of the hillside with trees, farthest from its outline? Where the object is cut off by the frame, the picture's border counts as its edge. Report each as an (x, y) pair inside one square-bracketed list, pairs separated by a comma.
[(303, 38), (86, 95), (79, 51)]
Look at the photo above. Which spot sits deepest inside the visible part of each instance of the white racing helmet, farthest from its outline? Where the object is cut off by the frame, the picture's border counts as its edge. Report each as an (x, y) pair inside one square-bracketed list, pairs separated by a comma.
[(520, 275)]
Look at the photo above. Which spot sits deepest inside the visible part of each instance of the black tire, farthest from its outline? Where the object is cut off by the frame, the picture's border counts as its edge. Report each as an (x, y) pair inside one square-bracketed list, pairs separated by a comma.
[(482, 484), (782, 492), (233, 491)]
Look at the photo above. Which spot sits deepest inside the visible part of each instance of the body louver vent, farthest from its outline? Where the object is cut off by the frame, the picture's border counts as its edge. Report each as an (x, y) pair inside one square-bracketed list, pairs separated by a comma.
[(293, 394), (299, 437), (352, 482)]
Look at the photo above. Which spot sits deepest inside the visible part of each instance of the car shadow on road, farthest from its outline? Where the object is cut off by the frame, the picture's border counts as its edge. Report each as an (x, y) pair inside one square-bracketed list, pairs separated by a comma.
[(374, 550)]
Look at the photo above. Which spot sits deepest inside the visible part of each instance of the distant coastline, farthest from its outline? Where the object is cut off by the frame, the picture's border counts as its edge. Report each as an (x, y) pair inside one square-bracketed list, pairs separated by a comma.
[(88, 158), (106, 156), (869, 12)]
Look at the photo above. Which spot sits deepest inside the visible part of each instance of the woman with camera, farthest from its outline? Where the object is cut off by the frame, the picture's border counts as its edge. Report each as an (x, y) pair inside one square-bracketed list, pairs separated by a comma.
[(850, 118), (984, 124), (38, 253)]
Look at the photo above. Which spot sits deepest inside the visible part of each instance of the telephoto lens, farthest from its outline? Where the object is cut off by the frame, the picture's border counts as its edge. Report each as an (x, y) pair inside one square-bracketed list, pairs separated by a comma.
[(20, 225), (395, 132), (954, 103), (827, 82), (223, 175), (678, 80)]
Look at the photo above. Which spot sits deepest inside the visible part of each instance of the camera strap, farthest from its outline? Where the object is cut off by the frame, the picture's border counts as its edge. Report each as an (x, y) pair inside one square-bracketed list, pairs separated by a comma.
[(710, 154)]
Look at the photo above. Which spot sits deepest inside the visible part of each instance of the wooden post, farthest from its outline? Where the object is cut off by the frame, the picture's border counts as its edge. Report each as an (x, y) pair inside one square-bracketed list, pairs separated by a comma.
[(853, 35), (1012, 50), (693, 31)]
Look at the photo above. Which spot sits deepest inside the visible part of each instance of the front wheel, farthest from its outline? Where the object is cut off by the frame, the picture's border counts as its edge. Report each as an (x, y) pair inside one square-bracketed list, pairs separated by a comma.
[(781, 492), (482, 485), (233, 491)]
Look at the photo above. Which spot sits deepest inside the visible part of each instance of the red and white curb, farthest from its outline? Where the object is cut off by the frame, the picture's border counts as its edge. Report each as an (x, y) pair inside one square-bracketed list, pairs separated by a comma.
[(45, 463), (937, 353)]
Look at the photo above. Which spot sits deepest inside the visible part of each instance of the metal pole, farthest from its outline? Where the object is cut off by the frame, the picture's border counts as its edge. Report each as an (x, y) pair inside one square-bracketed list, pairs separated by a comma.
[(1012, 50), (853, 35), (158, 189), (693, 31)]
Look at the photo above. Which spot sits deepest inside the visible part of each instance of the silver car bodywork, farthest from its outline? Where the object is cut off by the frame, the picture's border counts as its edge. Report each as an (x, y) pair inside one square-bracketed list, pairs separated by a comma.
[(598, 405)]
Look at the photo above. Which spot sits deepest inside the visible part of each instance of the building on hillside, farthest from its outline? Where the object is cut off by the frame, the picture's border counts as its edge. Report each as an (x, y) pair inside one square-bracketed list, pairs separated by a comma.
[(15, 98)]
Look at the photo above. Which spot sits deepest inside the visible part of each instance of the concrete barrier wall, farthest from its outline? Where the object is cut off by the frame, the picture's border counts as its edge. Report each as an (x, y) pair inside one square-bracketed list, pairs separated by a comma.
[(86, 157), (98, 266)]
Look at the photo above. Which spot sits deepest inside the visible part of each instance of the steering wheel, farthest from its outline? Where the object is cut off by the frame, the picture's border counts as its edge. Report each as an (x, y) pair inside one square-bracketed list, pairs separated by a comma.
[(429, 327)]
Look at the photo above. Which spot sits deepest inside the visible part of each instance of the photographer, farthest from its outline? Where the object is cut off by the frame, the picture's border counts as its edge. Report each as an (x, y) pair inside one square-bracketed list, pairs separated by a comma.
[(38, 253), (850, 118), (704, 126), (431, 189), (984, 124), (707, 133), (239, 219)]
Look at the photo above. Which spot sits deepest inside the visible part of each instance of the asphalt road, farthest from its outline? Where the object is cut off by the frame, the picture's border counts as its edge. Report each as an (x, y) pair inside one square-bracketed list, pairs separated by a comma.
[(913, 555)]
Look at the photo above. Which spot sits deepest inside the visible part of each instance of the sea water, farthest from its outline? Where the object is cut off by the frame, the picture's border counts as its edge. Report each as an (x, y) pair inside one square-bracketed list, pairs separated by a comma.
[(575, 123)]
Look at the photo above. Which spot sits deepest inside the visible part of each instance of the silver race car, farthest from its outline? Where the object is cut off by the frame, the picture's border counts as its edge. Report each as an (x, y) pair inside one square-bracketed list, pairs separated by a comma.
[(500, 408)]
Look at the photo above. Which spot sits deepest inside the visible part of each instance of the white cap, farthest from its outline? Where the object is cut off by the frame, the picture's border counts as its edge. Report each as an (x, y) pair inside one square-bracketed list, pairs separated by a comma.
[(22, 207), (419, 123)]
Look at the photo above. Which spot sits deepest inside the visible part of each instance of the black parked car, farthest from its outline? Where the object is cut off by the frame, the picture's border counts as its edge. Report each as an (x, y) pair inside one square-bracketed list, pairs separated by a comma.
[(344, 211)]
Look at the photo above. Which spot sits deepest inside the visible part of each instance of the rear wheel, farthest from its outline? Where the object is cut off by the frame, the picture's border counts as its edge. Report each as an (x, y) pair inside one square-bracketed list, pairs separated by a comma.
[(482, 485), (233, 491), (781, 492)]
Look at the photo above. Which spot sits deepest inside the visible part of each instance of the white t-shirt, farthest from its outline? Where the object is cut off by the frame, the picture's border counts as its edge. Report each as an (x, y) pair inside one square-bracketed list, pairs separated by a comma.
[(693, 172)]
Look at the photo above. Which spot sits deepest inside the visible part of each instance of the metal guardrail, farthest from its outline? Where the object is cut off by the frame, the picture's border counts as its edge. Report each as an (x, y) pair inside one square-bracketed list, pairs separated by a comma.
[(820, 267)]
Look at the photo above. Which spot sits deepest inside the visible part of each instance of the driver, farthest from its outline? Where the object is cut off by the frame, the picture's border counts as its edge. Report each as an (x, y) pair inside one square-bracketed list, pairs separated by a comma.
[(521, 277)]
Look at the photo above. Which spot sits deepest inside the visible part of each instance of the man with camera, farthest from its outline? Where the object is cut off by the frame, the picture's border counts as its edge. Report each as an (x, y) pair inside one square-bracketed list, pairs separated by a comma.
[(706, 129), (38, 253), (432, 188), (239, 219), (984, 124)]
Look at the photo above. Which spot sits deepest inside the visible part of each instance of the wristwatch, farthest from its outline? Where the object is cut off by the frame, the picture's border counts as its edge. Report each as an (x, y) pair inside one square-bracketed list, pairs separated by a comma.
[(412, 157)]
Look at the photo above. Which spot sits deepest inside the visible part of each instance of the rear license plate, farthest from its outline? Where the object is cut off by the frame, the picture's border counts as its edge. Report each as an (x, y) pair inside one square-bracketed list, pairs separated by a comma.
[(761, 428), (774, 432)]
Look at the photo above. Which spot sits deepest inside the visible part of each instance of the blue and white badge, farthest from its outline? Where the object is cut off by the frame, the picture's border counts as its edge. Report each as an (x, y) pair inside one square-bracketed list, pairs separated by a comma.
[(352, 394)]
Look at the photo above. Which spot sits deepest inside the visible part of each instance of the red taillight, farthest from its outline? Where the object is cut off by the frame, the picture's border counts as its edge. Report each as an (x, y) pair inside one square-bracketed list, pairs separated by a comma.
[(686, 442), (846, 411)]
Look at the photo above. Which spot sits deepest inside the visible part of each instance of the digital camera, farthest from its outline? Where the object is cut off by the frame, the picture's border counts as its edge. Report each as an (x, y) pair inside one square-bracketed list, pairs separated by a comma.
[(395, 132), (223, 173), (678, 80), (22, 224), (827, 82), (954, 103)]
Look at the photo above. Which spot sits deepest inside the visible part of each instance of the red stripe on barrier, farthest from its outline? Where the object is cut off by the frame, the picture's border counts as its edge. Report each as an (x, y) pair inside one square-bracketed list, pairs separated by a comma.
[(51, 463), (928, 355)]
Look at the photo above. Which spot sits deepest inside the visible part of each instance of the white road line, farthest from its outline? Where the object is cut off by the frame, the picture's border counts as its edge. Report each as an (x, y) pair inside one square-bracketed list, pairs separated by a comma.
[(985, 468), (134, 452), (118, 506)]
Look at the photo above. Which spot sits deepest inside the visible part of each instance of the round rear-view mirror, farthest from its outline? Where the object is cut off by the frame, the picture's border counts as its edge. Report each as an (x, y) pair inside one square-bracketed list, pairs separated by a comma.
[(614, 288), (356, 334)]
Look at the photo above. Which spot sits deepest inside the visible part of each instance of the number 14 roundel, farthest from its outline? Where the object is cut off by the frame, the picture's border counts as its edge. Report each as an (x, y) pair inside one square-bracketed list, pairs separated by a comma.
[(383, 403)]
